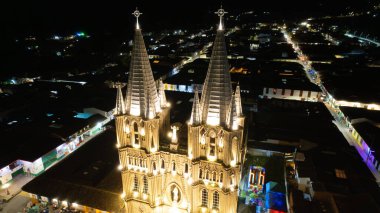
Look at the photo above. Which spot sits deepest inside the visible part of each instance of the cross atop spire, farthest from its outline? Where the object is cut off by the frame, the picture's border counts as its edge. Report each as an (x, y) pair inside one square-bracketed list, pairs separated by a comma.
[(221, 13), (137, 13)]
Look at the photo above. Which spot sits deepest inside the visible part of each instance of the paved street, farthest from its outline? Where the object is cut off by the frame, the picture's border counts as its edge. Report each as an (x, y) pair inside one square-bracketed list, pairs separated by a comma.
[(16, 204), (314, 78)]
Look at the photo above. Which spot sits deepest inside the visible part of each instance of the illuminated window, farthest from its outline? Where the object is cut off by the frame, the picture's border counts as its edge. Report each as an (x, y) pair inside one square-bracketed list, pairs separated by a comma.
[(215, 200), (136, 133), (186, 168), (204, 197), (135, 183), (145, 189)]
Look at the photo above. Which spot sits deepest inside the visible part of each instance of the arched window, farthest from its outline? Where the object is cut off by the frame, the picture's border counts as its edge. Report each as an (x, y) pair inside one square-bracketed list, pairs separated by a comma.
[(212, 146), (186, 168), (204, 197), (206, 175), (215, 200), (135, 184), (200, 174), (145, 189), (214, 176), (152, 143), (154, 166), (173, 167), (162, 164), (221, 177), (136, 134), (232, 181)]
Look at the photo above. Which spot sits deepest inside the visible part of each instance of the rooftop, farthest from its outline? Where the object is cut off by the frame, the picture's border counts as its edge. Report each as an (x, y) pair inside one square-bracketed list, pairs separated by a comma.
[(88, 177)]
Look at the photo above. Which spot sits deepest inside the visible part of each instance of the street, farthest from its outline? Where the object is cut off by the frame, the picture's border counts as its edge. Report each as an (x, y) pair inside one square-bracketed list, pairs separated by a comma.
[(335, 111)]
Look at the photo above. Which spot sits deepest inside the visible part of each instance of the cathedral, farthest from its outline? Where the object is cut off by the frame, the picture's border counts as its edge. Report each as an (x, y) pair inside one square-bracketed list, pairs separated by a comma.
[(158, 177)]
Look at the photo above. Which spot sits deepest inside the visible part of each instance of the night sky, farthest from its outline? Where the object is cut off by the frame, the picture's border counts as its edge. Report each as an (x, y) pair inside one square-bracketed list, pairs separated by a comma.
[(53, 16)]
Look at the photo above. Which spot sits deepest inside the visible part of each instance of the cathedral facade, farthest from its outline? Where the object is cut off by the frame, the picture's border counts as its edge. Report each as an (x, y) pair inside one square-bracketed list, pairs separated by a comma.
[(165, 178)]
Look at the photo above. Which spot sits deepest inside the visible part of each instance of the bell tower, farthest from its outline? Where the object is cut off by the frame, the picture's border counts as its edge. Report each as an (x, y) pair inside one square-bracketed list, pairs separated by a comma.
[(215, 135)]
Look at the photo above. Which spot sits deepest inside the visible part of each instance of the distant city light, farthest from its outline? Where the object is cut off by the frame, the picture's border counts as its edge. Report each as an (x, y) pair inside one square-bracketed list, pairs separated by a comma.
[(80, 34)]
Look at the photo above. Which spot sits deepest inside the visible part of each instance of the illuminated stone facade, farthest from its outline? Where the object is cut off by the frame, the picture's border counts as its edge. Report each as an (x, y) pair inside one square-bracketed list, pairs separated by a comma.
[(156, 178)]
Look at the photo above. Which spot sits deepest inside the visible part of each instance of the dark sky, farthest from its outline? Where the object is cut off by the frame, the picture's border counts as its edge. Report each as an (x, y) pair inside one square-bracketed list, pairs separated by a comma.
[(53, 15)]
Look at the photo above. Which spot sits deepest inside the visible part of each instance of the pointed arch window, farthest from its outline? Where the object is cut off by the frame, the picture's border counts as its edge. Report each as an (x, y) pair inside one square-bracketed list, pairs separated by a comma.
[(145, 189), (212, 146), (173, 166), (200, 174), (154, 166), (136, 134), (214, 176), (206, 174), (204, 197), (162, 164), (221, 177), (135, 183), (215, 200), (152, 146)]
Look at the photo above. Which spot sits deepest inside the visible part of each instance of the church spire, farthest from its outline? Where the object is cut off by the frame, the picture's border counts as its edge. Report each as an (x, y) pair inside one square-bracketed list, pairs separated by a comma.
[(239, 109), (142, 98), (217, 89), (137, 13), (161, 93), (195, 118), (120, 106), (232, 115), (221, 13)]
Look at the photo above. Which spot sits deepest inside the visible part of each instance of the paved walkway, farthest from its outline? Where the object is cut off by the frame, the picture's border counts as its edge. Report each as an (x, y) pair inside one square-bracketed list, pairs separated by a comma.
[(15, 186), (16, 204)]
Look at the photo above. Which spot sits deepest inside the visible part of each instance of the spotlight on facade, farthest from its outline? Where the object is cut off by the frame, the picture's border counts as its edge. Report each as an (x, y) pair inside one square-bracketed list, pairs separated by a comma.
[(123, 195)]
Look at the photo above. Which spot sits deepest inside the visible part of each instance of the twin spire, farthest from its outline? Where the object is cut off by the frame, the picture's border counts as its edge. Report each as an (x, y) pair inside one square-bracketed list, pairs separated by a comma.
[(142, 98), (218, 105)]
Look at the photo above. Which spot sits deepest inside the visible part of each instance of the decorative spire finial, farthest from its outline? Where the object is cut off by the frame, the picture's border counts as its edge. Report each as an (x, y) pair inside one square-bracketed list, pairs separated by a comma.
[(137, 13), (221, 13)]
